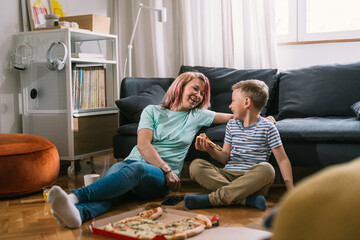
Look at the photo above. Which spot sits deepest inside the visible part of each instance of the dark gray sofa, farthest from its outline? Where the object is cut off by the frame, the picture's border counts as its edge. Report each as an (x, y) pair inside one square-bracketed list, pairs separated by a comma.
[(312, 107)]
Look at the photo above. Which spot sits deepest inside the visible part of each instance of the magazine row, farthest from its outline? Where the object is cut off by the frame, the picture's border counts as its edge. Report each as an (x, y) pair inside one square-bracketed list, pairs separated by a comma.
[(88, 87)]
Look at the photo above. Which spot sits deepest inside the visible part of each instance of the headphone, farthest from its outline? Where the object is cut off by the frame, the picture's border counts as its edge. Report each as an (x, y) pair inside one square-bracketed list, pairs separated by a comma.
[(57, 64)]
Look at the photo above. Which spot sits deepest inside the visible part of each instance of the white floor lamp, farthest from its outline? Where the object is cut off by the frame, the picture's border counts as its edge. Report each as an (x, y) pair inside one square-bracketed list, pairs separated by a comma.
[(161, 18)]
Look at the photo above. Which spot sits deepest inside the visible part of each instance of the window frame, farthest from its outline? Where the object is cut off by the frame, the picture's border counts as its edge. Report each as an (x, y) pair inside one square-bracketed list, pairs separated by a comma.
[(292, 35), (297, 28)]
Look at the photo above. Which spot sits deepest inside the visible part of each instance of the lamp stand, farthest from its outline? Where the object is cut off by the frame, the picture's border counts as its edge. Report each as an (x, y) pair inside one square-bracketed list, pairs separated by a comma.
[(162, 18)]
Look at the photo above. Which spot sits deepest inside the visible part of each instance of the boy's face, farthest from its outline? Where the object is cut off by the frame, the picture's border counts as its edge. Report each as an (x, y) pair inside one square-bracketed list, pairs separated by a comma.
[(238, 104)]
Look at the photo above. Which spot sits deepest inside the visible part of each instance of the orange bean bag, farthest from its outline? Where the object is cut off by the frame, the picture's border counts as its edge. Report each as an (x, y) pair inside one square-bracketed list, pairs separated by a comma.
[(27, 164)]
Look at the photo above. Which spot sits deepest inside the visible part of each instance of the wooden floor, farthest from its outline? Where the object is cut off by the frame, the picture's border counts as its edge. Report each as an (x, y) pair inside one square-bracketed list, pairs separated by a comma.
[(29, 217)]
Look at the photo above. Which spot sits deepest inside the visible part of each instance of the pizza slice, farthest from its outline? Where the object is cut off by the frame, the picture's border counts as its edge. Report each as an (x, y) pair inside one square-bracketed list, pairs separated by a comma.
[(191, 226), (152, 213), (134, 227), (169, 232), (212, 144), (134, 232), (204, 219)]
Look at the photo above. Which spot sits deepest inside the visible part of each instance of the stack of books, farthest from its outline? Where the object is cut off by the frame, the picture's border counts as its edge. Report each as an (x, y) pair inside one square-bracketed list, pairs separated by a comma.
[(88, 87)]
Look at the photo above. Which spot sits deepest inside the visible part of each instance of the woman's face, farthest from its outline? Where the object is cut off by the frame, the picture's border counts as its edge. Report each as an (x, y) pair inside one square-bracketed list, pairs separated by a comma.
[(193, 94)]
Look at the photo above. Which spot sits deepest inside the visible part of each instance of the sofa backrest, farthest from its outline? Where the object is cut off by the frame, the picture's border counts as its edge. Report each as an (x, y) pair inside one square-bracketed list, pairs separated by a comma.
[(134, 87), (222, 79), (319, 91)]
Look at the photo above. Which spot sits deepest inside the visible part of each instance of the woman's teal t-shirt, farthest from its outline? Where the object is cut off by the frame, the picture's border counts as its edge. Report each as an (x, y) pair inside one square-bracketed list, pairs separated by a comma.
[(173, 132)]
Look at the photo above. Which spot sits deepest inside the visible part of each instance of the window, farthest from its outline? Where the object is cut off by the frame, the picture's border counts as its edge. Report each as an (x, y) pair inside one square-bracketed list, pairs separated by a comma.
[(286, 20), (317, 20)]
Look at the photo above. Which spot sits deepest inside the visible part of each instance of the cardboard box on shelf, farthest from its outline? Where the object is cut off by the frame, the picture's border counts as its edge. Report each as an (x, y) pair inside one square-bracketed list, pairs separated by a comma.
[(90, 22)]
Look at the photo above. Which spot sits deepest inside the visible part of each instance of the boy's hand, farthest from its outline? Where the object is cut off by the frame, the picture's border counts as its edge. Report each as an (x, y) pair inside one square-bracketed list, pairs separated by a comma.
[(221, 156), (202, 145), (213, 145), (271, 119)]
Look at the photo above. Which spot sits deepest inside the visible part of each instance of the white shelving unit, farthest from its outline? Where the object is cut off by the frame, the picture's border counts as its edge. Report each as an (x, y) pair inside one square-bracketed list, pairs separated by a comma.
[(77, 134)]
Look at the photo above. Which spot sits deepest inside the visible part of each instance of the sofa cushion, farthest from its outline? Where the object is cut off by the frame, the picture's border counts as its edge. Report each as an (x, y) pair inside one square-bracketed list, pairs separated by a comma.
[(356, 108), (222, 79), (132, 106), (319, 91), (131, 86), (319, 129), (134, 85)]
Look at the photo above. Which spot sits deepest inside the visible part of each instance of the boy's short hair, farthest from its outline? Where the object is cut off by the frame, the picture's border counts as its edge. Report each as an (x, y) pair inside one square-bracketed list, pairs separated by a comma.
[(255, 89)]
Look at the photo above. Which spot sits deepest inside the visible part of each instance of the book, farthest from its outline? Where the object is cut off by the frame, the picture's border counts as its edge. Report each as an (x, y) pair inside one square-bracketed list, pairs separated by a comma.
[(88, 87), (88, 55)]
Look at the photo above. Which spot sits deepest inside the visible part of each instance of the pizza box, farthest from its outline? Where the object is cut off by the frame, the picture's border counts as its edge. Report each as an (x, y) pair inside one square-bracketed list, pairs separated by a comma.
[(169, 215), (245, 233)]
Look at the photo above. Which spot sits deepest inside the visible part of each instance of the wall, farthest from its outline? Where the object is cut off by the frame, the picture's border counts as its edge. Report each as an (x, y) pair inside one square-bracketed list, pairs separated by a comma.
[(10, 24), (10, 120), (304, 55)]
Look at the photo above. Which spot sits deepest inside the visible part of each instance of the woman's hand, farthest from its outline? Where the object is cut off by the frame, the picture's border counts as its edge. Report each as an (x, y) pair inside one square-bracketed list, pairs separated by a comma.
[(172, 181)]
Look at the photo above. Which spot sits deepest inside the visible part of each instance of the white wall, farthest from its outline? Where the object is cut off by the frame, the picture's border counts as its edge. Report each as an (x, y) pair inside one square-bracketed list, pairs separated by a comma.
[(80, 7), (10, 24), (305, 55), (10, 119)]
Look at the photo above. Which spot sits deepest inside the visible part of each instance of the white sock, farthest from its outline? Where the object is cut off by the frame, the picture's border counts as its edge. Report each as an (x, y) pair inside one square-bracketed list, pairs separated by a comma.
[(59, 221), (73, 198), (62, 208)]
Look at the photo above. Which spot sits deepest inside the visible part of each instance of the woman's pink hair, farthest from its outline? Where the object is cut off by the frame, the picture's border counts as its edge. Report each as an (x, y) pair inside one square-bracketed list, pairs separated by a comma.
[(174, 94)]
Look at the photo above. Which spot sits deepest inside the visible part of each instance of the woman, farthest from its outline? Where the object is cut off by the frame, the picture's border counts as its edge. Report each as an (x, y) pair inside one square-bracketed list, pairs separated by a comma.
[(152, 169)]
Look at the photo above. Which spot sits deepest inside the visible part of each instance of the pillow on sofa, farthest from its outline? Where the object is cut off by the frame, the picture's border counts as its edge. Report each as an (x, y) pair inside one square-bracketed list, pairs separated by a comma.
[(222, 79), (356, 108), (132, 106), (319, 91)]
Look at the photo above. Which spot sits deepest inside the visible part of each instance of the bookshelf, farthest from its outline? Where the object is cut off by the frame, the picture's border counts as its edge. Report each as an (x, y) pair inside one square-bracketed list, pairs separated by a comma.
[(74, 107)]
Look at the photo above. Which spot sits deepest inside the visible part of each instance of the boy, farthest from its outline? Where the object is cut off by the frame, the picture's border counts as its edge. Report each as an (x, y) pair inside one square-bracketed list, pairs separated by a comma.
[(249, 140)]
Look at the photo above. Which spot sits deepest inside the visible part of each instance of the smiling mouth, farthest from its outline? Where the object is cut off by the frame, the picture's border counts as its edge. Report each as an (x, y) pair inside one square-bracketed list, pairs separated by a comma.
[(194, 100)]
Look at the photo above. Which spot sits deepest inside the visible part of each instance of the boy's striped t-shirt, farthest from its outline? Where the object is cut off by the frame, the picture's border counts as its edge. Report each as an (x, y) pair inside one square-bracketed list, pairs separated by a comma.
[(250, 145)]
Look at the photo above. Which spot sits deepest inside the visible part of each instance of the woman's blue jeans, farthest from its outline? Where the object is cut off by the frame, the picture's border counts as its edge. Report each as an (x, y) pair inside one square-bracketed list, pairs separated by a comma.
[(142, 179)]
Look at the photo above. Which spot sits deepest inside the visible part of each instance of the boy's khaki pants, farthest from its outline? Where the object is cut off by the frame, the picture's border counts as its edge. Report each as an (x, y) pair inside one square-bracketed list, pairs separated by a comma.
[(232, 187)]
